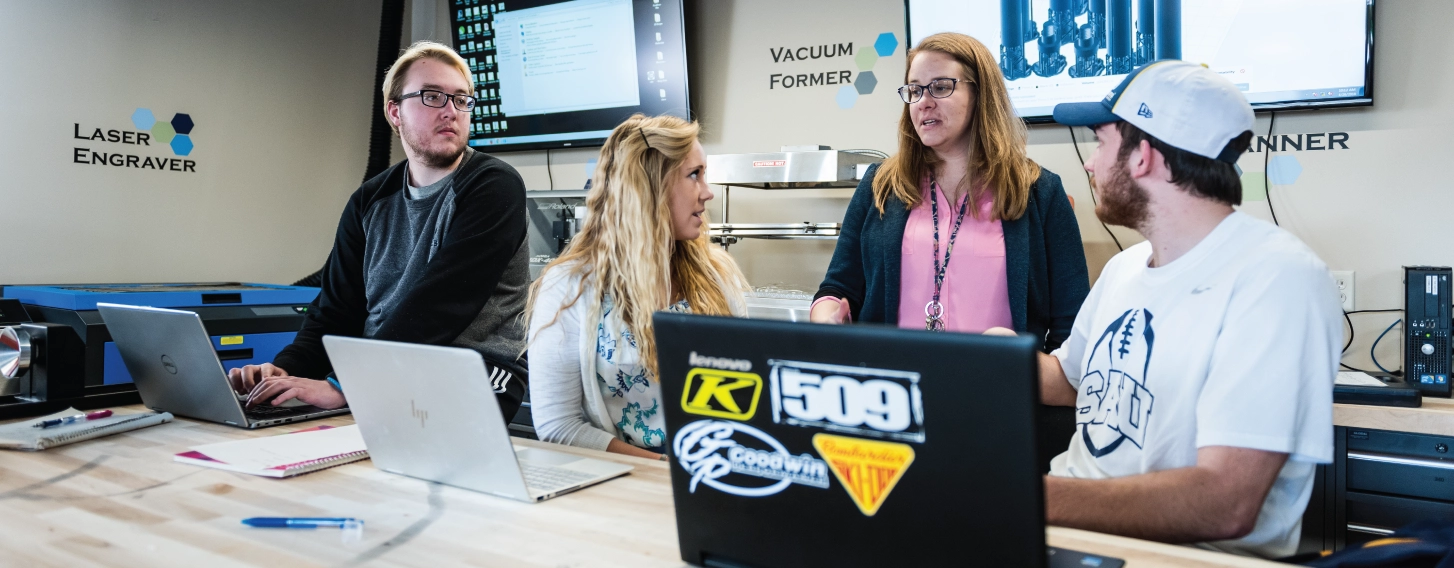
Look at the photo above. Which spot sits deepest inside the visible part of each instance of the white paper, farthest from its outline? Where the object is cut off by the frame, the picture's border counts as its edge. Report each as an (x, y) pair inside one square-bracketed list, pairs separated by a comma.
[(1357, 379), (286, 449)]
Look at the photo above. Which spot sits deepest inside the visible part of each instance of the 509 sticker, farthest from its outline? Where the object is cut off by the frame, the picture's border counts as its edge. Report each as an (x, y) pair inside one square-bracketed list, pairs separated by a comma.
[(870, 402), (711, 449)]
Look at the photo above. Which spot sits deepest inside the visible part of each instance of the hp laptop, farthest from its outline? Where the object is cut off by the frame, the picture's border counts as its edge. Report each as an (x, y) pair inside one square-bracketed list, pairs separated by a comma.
[(429, 412), (798, 444), (176, 369)]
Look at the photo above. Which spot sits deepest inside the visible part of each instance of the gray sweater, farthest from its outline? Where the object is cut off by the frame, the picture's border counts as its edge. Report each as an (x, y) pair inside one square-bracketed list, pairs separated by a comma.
[(448, 268)]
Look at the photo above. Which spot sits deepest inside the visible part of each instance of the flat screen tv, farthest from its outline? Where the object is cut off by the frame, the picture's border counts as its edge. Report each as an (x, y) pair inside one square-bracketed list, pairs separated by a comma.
[(563, 73), (1282, 53)]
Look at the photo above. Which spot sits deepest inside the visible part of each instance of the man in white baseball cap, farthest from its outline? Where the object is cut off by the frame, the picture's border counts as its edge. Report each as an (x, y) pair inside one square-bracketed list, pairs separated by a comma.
[(1202, 363)]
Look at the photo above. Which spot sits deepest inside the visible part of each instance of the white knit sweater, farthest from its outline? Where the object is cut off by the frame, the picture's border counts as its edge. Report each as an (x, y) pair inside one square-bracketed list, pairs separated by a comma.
[(565, 400)]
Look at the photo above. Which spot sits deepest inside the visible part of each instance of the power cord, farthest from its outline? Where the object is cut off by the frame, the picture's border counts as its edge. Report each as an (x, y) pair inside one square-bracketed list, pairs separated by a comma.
[(1373, 355), (549, 174), (1266, 159), (1092, 185), (1352, 332)]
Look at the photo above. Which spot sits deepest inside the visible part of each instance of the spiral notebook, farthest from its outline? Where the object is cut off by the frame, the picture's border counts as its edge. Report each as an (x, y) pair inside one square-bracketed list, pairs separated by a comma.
[(285, 455), (23, 435)]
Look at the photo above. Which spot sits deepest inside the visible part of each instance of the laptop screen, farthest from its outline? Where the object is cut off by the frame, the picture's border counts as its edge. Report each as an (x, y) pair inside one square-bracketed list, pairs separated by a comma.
[(810, 445)]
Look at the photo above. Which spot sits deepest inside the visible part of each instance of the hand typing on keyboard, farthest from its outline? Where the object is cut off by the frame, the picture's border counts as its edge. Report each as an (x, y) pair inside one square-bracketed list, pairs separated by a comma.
[(278, 390)]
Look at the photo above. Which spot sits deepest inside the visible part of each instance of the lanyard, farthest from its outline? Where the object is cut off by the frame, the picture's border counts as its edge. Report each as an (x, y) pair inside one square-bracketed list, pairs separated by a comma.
[(934, 311)]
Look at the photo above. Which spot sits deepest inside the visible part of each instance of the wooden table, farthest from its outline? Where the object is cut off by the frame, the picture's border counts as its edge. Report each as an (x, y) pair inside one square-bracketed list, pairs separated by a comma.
[(122, 501), (1435, 417)]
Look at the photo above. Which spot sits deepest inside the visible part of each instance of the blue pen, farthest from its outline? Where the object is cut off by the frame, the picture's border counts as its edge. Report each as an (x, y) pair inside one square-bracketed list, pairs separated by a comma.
[(300, 522)]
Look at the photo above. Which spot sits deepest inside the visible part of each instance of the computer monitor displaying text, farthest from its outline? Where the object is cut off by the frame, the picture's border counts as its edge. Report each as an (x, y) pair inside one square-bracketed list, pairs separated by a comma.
[(556, 74)]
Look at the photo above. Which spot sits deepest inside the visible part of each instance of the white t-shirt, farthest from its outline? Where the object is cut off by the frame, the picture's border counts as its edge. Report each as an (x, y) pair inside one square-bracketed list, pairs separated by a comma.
[(1236, 343)]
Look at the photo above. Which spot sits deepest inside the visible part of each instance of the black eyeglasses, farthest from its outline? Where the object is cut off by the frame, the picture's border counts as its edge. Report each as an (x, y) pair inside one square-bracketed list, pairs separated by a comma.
[(437, 99), (938, 88)]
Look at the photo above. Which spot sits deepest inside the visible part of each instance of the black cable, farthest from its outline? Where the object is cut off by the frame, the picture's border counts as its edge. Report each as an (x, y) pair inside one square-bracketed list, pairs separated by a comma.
[(1092, 185), (1373, 355), (1266, 159), (549, 173), (1351, 332)]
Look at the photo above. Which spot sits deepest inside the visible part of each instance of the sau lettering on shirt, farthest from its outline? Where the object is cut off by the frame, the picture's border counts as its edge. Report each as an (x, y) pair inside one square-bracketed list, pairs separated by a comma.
[(1234, 344)]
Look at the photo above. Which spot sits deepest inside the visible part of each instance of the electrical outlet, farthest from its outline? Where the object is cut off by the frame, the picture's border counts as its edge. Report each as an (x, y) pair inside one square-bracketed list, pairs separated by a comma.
[(1344, 280)]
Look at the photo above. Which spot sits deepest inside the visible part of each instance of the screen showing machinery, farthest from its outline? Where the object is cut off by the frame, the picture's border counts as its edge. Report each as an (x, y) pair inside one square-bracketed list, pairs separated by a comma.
[(1281, 53), (555, 74)]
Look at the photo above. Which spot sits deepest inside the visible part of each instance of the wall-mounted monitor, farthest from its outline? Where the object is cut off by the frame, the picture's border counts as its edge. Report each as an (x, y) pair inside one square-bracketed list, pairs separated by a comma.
[(1281, 53), (560, 74)]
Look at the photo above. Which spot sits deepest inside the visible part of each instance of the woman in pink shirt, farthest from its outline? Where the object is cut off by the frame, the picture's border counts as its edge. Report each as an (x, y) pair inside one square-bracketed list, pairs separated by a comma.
[(960, 230)]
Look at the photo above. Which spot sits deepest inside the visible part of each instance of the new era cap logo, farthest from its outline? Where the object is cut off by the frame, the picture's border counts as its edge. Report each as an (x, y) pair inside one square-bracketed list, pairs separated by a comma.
[(1144, 111), (722, 394)]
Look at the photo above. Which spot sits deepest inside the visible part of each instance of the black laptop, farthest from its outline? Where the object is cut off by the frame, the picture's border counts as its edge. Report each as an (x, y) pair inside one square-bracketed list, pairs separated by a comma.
[(798, 444)]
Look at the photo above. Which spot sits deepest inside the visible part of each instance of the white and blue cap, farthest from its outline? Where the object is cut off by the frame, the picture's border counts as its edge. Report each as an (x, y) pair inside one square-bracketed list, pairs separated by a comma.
[(1182, 104)]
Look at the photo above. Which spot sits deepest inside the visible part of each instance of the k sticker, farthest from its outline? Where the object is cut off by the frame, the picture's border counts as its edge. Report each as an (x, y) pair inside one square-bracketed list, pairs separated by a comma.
[(712, 449), (877, 403), (867, 469), (721, 394), (1114, 404)]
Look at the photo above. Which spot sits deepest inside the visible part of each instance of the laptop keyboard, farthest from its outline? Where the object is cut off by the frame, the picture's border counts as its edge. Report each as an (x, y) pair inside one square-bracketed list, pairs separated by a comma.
[(270, 411), (547, 479)]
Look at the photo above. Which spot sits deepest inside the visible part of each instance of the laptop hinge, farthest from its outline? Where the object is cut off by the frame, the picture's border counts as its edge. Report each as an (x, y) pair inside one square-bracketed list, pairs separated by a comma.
[(716, 561)]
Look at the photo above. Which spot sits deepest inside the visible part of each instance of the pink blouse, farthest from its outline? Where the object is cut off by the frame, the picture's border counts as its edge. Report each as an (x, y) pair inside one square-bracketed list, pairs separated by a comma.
[(975, 294)]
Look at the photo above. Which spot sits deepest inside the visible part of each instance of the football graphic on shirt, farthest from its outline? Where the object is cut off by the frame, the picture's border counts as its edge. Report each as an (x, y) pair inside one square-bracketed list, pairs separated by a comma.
[(1114, 405)]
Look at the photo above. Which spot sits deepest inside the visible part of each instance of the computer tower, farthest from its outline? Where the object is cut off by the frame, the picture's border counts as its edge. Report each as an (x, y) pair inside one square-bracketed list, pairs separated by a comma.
[(1426, 328)]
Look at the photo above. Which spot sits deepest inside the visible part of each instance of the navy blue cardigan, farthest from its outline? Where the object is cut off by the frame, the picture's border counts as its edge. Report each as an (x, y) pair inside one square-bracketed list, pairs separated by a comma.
[(1044, 261)]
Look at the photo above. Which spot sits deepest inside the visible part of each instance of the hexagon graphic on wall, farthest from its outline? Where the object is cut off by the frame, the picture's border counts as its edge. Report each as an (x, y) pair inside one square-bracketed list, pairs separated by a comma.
[(143, 119), (847, 95), (866, 58), (1254, 187), (162, 132), (885, 44), (182, 123), (182, 144), (865, 82), (1284, 170)]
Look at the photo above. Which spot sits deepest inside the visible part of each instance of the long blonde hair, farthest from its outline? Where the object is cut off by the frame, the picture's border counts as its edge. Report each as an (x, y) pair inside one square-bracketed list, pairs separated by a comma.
[(997, 136), (625, 248)]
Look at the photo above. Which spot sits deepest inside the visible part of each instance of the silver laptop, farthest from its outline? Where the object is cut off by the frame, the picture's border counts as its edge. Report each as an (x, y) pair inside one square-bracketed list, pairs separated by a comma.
[(176, 370), (429, 412)]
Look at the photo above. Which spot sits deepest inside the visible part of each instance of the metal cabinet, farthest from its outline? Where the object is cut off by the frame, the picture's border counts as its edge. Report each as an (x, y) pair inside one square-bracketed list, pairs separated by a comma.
[(1379, 481)]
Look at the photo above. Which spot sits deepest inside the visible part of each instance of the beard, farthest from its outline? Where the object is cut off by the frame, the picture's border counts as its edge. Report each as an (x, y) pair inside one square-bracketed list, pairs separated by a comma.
[(1122, 201), (431, 157)]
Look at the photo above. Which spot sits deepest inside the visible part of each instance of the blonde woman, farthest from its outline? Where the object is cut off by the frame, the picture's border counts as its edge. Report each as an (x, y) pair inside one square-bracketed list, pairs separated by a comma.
[(643, 248)]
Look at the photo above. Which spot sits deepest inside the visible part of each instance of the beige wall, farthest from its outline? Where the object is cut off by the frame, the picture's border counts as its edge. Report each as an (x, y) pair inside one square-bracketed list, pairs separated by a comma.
[(279, 92), (275, 166), (1383, 203)]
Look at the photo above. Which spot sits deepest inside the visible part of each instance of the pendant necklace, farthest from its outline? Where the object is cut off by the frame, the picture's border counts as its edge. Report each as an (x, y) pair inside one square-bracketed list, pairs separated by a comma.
[(934, 311)]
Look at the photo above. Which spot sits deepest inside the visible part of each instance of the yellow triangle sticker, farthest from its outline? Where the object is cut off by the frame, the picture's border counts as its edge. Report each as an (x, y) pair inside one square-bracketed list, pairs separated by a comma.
[(867, 469)]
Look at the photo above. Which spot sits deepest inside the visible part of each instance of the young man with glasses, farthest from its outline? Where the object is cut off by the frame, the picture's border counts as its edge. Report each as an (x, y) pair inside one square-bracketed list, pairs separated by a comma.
[(430, 251), (1201, 365)]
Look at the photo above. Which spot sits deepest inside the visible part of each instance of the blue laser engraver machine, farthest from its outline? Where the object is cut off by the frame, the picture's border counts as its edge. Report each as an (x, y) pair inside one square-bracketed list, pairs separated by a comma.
[(249, 324)]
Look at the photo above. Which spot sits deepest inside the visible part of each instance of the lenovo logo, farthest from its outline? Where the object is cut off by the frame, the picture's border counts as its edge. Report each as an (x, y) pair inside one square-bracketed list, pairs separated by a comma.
[(696, 360)]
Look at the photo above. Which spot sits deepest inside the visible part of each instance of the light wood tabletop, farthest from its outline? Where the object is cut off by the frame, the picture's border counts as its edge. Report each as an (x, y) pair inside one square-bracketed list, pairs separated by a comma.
[(1435, 417), (122, 501)]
